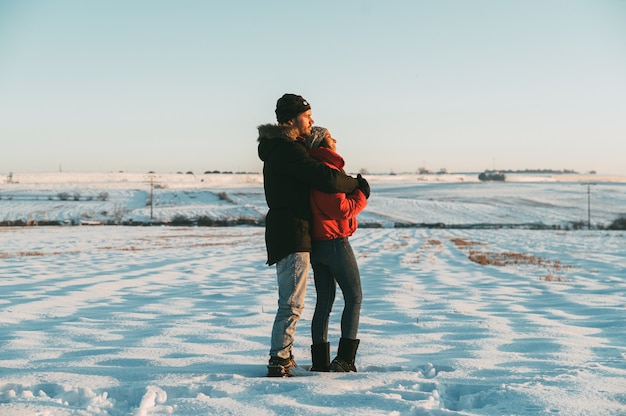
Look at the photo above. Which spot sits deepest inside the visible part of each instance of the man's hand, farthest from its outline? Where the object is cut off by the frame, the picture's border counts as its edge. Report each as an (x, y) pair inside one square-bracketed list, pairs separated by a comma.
[(363, 185)]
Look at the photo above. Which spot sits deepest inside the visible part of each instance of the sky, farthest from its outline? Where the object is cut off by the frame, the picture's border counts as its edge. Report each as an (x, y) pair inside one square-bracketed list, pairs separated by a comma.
[(168, 86)]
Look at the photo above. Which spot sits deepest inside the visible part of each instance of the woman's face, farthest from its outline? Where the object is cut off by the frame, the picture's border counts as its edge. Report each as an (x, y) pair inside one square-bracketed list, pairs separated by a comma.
[(330, 142)]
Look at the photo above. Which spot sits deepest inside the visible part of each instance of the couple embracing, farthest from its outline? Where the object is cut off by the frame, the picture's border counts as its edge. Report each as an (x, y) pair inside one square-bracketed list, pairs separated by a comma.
[(313, 206)]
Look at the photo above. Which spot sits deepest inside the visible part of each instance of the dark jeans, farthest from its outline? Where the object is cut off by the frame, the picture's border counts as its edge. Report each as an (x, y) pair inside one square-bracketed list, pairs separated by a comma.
[(334, 263)]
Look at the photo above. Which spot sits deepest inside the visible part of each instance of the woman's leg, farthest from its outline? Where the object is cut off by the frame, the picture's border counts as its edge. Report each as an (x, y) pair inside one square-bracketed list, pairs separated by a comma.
[(325, 288), (346, 273)]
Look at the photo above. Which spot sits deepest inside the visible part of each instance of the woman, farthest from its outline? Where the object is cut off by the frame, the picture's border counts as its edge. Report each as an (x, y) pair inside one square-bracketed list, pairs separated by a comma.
[(334, 220)]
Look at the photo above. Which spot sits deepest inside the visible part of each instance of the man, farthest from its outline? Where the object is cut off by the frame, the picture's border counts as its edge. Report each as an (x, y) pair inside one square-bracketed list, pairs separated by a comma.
[(289, 172)]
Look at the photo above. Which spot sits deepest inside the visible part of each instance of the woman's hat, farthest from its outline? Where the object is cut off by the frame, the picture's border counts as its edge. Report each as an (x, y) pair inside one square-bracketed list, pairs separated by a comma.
[(316, 137)]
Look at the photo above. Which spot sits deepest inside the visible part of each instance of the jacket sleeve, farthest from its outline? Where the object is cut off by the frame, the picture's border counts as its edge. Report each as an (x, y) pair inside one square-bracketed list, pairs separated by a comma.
[(297, 162), (340, 206)]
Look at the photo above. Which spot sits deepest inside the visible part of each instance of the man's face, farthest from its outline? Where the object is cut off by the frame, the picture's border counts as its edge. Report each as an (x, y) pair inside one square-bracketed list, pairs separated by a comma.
[(303, 123)]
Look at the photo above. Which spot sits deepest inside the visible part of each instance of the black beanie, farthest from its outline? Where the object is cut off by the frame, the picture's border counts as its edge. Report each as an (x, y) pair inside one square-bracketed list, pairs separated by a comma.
[(289, 106)]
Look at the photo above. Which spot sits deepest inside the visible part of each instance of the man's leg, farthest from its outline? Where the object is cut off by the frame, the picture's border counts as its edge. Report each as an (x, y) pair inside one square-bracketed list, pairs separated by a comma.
[(292, 273)]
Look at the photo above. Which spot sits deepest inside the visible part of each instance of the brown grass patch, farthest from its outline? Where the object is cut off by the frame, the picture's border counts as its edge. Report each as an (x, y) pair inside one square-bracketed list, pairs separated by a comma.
[(488, 258), (550, 277), (6, 255), (21, 254), (461, 242), (503, 259), (508, 258)]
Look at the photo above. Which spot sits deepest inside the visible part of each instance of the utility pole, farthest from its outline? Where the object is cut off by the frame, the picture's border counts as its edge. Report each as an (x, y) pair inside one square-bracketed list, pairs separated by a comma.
[(151, 197), (589, 204)]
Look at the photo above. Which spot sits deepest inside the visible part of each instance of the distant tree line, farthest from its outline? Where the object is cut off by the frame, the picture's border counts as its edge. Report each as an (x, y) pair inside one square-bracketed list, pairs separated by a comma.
[(500, 175), (546, 171), (211, 172)]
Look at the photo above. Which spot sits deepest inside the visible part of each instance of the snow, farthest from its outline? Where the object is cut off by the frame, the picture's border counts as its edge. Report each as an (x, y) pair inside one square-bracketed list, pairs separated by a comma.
[(175, 320)]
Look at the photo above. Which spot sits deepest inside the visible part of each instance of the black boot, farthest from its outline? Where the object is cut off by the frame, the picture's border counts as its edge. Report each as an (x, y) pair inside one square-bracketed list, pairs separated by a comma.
[(320, 355), (344, 362)]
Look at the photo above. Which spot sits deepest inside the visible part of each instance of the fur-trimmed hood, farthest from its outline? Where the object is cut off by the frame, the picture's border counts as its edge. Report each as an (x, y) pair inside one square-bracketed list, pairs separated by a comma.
[(272, 136), (277, 131)]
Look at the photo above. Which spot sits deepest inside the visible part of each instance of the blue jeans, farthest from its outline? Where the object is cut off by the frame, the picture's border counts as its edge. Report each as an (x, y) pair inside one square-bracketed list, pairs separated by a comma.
[(292, 272), (334, 263)]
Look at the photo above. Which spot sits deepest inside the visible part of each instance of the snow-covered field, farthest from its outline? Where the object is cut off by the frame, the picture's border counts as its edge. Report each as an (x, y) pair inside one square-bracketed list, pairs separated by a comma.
[(453, 200), (119, 320)]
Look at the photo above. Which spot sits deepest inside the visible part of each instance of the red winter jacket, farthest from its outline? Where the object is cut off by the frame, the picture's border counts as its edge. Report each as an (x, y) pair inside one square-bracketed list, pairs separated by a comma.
[(334, 215)]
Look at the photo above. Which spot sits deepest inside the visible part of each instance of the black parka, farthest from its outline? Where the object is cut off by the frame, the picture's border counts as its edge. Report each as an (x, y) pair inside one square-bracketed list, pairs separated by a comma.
[(289, 172)]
